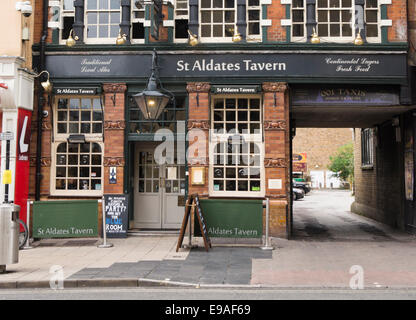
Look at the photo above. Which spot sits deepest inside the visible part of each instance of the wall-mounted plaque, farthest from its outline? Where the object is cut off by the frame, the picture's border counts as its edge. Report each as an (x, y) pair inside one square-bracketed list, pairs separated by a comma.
[(198, 175)]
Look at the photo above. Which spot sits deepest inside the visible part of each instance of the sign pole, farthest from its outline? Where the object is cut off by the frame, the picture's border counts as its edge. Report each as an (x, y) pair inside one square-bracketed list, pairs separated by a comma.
[(104, 244), (6, 186)]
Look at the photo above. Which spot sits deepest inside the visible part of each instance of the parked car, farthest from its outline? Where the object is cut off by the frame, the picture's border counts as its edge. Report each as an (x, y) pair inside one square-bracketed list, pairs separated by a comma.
[(298, 193), (301, 185)]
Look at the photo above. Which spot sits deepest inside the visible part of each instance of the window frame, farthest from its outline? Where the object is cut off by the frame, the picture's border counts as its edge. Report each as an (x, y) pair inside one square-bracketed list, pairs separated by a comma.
[(367, 148), (139, 20), (256, 37), (64, 13), (98, 40), (334, 39), (177, 16), (258, 139), (223, 39), (62, 138)]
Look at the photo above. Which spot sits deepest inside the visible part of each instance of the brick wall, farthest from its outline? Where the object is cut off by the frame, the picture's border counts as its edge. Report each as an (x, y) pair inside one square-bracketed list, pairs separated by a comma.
[(397, 12), (379, 191), (319, 144), (275, 12)]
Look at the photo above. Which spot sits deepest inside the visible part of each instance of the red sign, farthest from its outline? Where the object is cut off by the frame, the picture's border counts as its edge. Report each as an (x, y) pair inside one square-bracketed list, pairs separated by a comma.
[(21, 190)]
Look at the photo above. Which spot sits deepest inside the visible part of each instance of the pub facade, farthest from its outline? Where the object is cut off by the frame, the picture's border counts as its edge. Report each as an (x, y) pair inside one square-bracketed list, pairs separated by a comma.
[(239, 77)]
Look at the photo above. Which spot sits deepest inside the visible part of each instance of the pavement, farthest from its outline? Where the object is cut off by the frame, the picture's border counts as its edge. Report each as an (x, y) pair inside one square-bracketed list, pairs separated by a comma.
[(331, 248)]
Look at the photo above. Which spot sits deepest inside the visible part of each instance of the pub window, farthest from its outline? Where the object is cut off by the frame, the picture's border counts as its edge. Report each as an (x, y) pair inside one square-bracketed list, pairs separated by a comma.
[(67, 18), (236, 148), (367, 148), (217, 19), (77, 167), (336, 20), (298, 19), (102, 20), (181, 19), (371, 19), (253, 19), (137, 22)]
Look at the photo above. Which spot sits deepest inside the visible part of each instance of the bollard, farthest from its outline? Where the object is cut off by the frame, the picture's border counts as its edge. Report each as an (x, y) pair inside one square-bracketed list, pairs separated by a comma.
[(267, 245), (27, 244), (104, 244)]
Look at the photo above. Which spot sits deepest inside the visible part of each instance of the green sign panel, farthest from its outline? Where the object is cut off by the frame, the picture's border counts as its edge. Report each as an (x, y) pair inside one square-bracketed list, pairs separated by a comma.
[(65, 219), (232, 218)]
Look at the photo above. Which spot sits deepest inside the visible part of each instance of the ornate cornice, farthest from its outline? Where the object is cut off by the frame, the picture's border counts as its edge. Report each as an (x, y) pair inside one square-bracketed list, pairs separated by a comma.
[(114, 125), (198, 87), (275, 125), (274, 86), (198, 124), (275, 163), (114, 87), (198, 161), (114, 162)]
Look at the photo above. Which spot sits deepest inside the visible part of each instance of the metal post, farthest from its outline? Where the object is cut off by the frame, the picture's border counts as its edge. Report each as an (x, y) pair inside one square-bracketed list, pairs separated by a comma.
[(267, 245), (104, 244), (27, 244), (6, 186)]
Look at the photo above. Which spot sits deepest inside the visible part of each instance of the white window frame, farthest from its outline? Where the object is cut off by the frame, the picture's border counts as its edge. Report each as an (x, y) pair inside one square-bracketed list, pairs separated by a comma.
[(378, 8), (215, 39), (62, 138), (256, 37), (328, 9), (216, 138), (297, 38), (134, 19), (64, 13), (109, 40), (180, 16)]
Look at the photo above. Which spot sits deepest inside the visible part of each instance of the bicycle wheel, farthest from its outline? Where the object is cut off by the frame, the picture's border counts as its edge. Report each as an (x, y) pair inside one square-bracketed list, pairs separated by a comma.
[(23, 234)]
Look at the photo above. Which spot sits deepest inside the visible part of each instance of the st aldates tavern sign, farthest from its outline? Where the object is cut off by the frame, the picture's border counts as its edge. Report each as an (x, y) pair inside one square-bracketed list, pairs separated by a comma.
[(195, 65)]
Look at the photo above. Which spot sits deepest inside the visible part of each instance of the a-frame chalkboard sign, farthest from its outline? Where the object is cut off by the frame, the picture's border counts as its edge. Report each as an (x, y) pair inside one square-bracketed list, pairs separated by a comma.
[(193, 206)]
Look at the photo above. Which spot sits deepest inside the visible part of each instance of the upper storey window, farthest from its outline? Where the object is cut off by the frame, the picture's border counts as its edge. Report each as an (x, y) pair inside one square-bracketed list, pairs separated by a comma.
[(102, 20), (217, 19), (337, 20)]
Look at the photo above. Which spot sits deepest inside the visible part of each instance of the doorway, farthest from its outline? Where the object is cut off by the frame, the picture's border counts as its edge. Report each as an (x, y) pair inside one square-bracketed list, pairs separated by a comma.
[(159, 190)]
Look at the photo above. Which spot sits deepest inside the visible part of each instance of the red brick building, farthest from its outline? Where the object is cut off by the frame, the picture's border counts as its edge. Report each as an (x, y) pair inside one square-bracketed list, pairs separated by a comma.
[(240, 96)]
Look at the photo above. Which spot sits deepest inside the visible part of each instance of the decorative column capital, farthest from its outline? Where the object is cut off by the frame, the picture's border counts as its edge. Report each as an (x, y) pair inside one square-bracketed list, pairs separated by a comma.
[(114, 87), (193, 87), (274, 86)]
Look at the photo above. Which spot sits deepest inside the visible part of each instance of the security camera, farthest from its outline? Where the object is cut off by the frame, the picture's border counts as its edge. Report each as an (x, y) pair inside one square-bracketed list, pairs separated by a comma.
[(45, 113), (25, 7)]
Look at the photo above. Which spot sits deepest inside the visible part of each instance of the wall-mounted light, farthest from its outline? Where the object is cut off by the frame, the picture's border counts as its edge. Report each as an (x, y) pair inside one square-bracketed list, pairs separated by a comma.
[(152, 100), (70, 42), (358, 40), (236, 36), (47, 85), (315, 37), (193, 39), (121, 38)]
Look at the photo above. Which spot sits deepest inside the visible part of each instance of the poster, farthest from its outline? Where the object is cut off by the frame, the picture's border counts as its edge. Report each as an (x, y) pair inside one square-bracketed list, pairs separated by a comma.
[(116, 215)]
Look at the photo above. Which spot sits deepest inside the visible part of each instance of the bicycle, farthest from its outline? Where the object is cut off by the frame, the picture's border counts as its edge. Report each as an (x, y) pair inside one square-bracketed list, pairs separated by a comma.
[(23, 233)]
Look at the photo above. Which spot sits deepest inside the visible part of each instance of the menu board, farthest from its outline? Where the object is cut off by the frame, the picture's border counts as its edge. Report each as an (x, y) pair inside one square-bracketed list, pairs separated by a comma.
[(116, 215)]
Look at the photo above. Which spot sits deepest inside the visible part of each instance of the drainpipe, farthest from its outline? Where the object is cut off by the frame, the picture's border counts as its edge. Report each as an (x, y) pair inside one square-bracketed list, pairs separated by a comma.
[(41, 99)]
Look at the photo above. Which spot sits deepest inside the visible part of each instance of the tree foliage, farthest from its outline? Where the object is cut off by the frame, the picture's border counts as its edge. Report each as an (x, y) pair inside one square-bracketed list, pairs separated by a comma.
[(342, 163)]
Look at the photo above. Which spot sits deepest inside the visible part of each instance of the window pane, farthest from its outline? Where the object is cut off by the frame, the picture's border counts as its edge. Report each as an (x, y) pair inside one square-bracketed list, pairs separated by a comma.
[(60, 184), (206, 31), (61, 171), (322, 3), (206, 16), (297, 16), (371, 30), (371, 16), (97, 128), (84, 147), (334, 16), (92, 18), (92, 32), (85, 128), (254, 28), (217, 3), (255, 14), (114, 4), (346, 30), (229, 16), (115, 17), (205, 3), (322, 30), (104, 17), (92, 4), (346, 15), (334, 30), (230, 185), (346, 3), (333, 3), (103, 4), (85, 115), (371, 3), (217, 16), (229, 3)]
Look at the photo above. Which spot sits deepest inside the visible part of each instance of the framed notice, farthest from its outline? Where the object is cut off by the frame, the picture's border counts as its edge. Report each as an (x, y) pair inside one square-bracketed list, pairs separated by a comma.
[(116, 215), (198, 175)]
